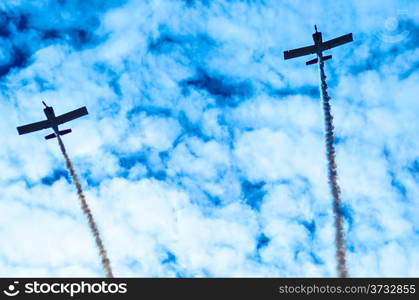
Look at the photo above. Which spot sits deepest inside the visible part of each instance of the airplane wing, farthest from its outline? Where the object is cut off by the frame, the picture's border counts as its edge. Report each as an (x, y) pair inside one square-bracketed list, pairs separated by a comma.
[(299, 52), (33, 127), (72, 115), (337, 41)]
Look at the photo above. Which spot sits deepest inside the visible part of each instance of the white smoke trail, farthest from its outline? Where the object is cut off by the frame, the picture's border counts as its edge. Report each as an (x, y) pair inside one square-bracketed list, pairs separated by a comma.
[(332, 174), (92, 224)]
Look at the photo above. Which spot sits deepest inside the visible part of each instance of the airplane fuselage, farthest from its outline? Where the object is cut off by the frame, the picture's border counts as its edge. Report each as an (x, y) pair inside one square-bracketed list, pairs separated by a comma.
[(318, 41), (49, 113)]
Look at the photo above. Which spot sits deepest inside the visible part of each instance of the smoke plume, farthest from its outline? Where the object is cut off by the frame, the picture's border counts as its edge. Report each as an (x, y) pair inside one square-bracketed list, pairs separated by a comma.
[(92, 224), (332, 174)]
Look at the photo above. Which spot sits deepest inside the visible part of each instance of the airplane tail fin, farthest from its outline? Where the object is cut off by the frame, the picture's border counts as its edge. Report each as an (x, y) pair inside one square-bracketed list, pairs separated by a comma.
[(312, 62), (65, 131), (50, 136)]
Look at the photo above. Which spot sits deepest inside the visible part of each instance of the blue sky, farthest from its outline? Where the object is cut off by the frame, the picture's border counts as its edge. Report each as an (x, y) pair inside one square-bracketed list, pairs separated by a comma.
[(203, 152)]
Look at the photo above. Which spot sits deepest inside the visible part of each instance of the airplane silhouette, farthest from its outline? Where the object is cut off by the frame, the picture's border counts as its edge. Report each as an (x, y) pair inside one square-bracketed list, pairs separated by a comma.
[(318, 47), (53, 122)]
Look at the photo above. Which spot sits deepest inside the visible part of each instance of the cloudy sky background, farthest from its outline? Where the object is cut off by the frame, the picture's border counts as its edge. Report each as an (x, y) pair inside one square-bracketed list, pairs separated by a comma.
[(203, 152)]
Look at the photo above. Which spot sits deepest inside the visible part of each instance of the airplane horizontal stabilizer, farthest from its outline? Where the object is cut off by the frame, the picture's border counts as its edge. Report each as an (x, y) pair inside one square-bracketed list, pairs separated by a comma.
[(312, 62), (65, 131), (50, 136), (327, 57)]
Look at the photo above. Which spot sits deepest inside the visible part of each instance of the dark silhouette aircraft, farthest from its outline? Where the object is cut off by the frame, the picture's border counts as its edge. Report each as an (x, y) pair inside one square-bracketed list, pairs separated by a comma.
[(318, 47), (53, 121)]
